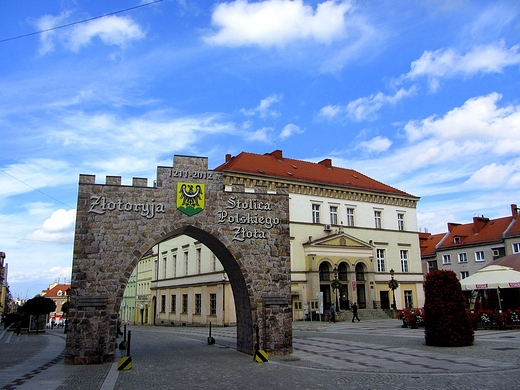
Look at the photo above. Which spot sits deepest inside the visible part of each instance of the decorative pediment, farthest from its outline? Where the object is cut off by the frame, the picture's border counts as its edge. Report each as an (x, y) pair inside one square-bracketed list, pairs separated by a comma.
[(338, 240)]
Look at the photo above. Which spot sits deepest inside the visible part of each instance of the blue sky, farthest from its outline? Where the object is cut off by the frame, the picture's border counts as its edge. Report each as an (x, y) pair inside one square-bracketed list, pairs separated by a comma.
[(421, 95)]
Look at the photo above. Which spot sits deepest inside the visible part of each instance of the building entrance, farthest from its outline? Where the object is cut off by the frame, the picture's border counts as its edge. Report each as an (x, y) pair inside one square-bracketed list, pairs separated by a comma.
[(117, 224)]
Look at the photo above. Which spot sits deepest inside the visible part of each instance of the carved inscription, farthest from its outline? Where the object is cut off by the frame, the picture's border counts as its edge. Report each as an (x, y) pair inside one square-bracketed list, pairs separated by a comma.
[(248, 217), (100, 205)]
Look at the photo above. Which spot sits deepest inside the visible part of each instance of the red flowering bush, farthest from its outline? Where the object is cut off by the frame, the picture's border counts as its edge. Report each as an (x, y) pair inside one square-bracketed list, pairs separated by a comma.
[(449, 324)]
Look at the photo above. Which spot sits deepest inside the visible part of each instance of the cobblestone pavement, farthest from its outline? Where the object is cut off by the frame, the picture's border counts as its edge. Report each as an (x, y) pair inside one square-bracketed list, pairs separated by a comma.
[(376, 354)]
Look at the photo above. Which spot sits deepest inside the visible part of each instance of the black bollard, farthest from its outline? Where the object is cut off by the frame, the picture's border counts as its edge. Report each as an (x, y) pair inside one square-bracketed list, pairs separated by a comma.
[(128, 344), (211, 340)]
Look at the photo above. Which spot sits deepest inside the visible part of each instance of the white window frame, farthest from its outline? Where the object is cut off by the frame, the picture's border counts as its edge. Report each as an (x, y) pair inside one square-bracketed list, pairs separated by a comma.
[(350, 216), (515, 246), (400, 221), (315, 213), (404, 260), (479, 256), (380, 255), (464, 274), (378, 216), (333, 215), (446, 259), (462, 257)]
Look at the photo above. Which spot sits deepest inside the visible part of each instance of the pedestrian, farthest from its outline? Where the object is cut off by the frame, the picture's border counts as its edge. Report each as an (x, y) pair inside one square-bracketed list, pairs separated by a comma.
[(354, 312), (18, 328), (119, 331), (332, 312)]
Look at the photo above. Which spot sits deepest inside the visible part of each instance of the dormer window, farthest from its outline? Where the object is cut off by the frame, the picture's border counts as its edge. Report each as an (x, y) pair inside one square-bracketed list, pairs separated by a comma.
[(456, 240), (60, 293)]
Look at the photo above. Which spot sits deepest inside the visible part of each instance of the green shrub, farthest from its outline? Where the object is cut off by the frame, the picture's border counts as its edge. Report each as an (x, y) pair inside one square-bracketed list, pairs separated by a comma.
[(448, 323)]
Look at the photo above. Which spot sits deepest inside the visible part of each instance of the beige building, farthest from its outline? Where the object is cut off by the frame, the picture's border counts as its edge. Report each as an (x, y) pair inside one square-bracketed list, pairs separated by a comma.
[(190, 286)]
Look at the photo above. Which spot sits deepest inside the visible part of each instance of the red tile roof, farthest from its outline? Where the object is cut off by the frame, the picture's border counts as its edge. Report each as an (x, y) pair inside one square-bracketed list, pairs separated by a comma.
[(53, 291), (275, 165), (428, 243), (480, 231)]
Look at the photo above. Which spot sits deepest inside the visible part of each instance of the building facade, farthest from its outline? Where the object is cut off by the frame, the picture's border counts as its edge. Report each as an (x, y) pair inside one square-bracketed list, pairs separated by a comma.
[(466, 248), (58, 293), (344, 226)]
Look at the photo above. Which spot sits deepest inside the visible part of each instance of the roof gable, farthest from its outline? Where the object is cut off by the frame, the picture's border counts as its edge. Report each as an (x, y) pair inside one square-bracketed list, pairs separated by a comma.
[(339, 240)]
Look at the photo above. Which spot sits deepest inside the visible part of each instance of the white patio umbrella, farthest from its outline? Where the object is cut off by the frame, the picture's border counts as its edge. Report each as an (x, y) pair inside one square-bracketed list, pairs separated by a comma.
[(492, 277)]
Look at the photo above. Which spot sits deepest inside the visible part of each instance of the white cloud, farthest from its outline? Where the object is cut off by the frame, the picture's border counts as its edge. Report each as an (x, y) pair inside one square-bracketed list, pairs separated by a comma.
[(446, 63), (365, 108), (264, 110), (262, 135), (477, 119), (111, 30), (289, 130), (376, 144), (59, 227), (277, 22), (494, 175)]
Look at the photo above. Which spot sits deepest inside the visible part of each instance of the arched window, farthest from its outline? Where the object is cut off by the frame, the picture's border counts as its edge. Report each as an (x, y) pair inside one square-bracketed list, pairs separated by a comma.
[(360, 272), (324, 271), (343, 272)]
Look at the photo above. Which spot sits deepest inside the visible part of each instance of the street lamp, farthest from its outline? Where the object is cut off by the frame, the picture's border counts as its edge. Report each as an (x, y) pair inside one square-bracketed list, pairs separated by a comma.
[(336, 286), (393, 284)]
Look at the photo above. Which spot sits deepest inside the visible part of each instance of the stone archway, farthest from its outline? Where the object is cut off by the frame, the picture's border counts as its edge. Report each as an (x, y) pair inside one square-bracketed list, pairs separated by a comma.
[(116, 224)]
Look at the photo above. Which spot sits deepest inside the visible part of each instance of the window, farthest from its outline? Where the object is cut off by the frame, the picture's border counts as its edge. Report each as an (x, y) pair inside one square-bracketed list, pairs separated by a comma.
[(333, 215), (400, 221), (381, 260), (464, 274), (516, 247), (432, 265), (185, 303), (408, 298), (446, 259), (479, 256), (199, 260), (324, 272), (186, 263), (404, 260), (163, 303), (198, 303), (173, 308), (212, 304), (456, 240), (165, 266), (174, 265), (298, 305), (377, 219), (463, 257), (315, 213), (214, 263), (350, 216)]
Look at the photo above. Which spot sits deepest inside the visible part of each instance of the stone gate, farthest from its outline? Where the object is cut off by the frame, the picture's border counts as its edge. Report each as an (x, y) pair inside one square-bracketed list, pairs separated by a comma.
[(117, 224)]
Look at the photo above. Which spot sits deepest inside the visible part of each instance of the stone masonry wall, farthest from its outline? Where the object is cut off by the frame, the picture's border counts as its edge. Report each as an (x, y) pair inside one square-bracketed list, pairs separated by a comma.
[(117, 224)]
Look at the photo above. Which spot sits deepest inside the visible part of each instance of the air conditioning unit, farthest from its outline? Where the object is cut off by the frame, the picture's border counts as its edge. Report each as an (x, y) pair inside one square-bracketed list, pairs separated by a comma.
[(327, 228)]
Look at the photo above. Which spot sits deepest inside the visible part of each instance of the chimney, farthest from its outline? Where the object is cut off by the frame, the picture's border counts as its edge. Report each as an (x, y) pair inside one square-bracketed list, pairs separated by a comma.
[(326, 163), (479, 223), (277, 154), (514, 211), (452, 225), (228, 157)]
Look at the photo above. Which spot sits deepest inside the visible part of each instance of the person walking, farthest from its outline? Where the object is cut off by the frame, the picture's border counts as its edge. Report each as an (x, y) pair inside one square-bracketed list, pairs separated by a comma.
[(355, 312), (332, 312)]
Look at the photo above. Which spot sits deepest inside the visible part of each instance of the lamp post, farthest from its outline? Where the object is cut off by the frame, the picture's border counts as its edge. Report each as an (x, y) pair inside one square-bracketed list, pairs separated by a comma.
[(335, 270), (393, 284)]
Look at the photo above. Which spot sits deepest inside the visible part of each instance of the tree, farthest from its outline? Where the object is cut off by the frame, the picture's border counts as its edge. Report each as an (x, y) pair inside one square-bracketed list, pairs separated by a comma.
[(448, 324), (37, 306)]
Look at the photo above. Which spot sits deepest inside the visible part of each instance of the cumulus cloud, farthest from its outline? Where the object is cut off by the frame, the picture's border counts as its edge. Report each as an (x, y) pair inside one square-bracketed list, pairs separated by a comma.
[(289, 130), (59, 227), (479, 118), (262, 135), (277, 22), (264, 110), (365, 108), (376, 144), (111, 30), (447, 63)]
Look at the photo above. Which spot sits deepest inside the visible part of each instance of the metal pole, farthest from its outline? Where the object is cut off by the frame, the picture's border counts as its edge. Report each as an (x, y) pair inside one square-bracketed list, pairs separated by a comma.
[(128, 345)]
